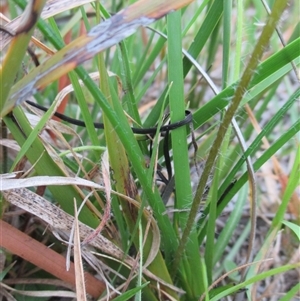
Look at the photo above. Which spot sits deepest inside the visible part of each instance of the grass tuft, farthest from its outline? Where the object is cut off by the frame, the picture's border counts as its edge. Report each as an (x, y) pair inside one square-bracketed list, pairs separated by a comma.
[(171, 208)]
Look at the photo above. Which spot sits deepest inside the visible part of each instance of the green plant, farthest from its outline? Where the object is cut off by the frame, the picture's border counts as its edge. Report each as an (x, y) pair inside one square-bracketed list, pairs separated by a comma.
[(114, 79)]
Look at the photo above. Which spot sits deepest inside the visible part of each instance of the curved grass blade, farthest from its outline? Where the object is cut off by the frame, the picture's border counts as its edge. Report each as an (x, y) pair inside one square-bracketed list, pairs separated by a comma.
[(238, 95), (18, 47), (289, 134), (100, 37), (271, 69), (254, 279)]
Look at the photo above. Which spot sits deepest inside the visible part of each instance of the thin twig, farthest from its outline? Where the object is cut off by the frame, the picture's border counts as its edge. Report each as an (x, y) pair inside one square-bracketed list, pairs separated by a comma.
[(242, 267)]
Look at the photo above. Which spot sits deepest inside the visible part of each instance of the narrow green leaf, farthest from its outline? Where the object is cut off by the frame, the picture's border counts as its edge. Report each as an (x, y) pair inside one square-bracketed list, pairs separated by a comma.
[(130, 293), (266, 69), (294, 227), (291, 293), (254, 279), (180, 152), (292, 184), (211, 20), (17, 49)]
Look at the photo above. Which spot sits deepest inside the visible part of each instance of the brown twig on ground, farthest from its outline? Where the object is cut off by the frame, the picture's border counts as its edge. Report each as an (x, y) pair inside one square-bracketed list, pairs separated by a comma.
[(38, 254)]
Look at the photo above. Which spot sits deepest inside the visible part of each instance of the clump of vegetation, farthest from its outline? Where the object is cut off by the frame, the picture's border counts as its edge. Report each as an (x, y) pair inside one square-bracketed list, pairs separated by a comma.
[(150, 151)]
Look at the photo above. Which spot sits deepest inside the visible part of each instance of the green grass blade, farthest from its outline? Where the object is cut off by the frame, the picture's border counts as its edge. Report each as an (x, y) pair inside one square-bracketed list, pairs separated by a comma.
[(210, 22), (238, 95), (180, 149), (289, 134), (226, 41), (258, 140), (210, 248), (44, 164), (280, 59), (17, 49), (293, 183), (254, 279), (294, 227), (291, 293), (128, 140), (227, 233), (239, 40), (130, 293)]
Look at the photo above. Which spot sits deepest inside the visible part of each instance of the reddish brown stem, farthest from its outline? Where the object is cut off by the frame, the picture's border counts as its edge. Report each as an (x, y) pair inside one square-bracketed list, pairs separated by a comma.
[(22, 245)]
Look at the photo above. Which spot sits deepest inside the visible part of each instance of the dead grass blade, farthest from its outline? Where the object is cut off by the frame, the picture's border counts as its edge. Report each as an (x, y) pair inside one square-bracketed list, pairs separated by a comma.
[(8, 184), (19, 184), (99, 38), (107, 189), (61, 222), (43, 257), (79, 273), (56, 293), (54, 7), (51, 9), (57, 218)]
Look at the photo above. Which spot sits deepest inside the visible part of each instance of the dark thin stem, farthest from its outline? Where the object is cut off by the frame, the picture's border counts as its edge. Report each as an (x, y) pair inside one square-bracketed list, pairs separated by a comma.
[(147, 131), (3, 135)]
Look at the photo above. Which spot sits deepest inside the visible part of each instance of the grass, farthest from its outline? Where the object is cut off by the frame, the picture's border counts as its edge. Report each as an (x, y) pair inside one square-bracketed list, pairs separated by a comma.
[(206, 210)]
